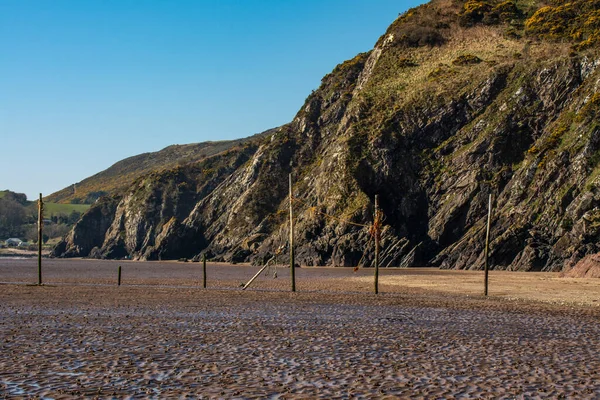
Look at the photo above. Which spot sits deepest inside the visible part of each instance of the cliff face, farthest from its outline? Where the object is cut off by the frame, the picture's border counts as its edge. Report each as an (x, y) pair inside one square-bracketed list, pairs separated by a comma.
[(457, 101)]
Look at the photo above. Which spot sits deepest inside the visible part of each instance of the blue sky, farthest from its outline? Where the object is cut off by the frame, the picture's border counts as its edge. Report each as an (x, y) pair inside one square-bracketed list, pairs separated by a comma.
[(86, 83)]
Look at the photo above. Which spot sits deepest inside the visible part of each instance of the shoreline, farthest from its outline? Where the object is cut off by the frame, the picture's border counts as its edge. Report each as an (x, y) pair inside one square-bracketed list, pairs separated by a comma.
[(544, 287)]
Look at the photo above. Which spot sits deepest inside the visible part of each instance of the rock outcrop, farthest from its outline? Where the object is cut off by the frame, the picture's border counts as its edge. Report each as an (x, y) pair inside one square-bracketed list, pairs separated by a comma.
[(450, 107), (588, 267)]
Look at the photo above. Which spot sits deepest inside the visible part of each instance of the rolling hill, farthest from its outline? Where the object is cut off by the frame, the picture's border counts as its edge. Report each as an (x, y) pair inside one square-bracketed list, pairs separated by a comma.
[(120, 175)]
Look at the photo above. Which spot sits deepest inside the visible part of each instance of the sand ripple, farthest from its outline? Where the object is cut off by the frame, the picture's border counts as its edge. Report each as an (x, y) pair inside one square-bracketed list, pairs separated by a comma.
[(270, 345)]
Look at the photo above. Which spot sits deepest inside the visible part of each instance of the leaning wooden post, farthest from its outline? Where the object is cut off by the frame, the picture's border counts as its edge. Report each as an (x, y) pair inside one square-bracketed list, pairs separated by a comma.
[(40, 237), (376, 223), (204, 270), (119, 277), (487, 246), (292, 269)]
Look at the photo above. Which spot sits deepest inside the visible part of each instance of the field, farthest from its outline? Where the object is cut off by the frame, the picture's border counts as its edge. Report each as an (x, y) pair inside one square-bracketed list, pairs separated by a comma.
[(160, 334), (53, 208), (66, 209)]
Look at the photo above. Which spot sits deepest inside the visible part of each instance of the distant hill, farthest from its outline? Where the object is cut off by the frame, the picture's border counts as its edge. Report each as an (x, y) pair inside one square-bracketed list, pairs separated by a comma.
[(20, 198), (123, 173)]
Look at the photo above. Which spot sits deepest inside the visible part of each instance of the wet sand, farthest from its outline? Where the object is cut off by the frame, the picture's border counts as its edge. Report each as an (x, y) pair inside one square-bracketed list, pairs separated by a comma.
[(161, 335)]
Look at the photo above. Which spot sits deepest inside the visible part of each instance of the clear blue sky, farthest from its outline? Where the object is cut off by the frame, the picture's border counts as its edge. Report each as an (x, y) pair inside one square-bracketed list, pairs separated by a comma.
[(86, 83)]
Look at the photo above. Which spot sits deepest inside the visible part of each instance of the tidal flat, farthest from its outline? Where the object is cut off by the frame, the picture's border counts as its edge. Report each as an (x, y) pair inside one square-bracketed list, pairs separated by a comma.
[(162, 335)]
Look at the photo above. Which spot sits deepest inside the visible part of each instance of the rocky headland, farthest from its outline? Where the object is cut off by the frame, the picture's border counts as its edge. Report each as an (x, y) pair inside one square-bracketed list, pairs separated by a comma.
[(458, 100)]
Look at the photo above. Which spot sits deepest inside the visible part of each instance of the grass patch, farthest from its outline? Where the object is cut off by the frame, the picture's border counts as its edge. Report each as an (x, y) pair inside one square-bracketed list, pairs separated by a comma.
[(467, 59), (66, 209)]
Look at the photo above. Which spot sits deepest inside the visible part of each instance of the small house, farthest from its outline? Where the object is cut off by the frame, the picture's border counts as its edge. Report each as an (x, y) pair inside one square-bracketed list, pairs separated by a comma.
[(13, 242)]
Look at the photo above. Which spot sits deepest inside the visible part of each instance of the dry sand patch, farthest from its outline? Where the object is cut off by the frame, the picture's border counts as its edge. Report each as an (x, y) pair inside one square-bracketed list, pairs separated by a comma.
[(531, 286)]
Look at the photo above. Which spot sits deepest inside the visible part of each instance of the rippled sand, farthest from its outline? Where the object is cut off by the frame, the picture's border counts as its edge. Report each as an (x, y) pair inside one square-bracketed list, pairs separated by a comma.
[(86, 337)]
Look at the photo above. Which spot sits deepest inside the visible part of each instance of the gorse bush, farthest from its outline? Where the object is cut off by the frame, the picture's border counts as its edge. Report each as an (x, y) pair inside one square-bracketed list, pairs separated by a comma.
[(577, 21), (467, 59), (418, 27), (420, 36), (474, 12), (407, 63), (489, 13), (442, 71), (591, 110)]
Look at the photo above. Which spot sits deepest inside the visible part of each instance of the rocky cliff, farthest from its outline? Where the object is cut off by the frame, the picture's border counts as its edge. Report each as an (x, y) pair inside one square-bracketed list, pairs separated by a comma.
[(458, 100)]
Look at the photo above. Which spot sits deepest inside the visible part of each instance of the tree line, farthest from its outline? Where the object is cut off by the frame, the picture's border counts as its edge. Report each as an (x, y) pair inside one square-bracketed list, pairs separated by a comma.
[(18, 219)]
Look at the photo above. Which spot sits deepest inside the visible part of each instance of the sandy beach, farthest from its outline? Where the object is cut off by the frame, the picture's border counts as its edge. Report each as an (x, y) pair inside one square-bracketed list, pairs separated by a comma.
[(429, 334)]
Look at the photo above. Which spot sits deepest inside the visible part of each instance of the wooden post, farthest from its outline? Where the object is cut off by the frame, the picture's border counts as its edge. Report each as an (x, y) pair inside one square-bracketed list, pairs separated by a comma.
[(119, 277), (292, 269), (376, 222), (257, 274), (204, 270), (487, 246), (40, 237)]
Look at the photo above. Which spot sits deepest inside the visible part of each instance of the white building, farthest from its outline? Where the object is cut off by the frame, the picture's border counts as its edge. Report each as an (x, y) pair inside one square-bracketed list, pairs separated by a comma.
[(13, 242)]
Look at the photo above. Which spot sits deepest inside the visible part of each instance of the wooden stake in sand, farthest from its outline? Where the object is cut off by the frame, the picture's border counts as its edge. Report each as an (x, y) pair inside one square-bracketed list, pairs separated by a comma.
[(487, 247), (40, 237), (119, 277), (376, 229), (292, 269), (258, 273), (204, 270)]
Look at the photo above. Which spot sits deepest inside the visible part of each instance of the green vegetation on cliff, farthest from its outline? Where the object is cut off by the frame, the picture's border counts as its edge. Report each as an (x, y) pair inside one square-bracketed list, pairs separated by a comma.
[(576, 20)]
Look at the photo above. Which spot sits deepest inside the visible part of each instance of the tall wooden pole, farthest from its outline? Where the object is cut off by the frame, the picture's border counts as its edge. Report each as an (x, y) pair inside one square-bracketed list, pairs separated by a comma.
[(204, 270), (376, 223), (292, 269), (487, 247), (40, 225)]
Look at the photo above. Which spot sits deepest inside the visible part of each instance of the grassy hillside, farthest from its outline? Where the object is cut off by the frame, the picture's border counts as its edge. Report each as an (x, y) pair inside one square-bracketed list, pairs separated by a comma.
[(122, 174), (66, 209)]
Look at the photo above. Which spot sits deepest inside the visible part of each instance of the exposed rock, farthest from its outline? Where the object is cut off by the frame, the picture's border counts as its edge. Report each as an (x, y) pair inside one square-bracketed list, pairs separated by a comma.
[(588, 267), (88, 234), (432, 139)]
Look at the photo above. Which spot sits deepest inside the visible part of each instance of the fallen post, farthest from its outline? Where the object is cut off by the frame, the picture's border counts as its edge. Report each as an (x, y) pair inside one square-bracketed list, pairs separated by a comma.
[(257, 274)]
